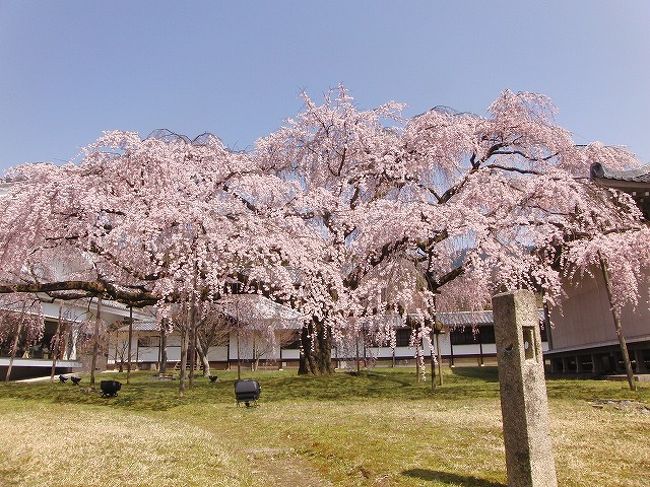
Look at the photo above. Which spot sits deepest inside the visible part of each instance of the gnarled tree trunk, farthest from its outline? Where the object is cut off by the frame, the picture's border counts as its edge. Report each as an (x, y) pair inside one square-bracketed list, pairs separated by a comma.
[(203, 352), (316, 349)]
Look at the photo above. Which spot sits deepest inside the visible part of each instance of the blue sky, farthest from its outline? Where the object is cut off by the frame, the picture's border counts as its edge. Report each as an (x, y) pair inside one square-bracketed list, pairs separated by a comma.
[(69, 70)]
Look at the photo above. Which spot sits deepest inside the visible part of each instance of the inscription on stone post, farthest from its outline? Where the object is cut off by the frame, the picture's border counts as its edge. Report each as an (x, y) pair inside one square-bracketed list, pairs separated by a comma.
[(524, 406)]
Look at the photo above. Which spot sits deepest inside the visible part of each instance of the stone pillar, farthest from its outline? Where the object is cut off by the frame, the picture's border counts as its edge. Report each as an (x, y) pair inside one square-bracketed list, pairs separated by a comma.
[(640, 362), (524, 408)]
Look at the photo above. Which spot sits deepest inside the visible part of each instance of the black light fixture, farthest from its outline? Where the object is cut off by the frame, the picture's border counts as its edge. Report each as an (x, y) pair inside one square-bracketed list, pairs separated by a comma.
[(247, 391), (110, 387)]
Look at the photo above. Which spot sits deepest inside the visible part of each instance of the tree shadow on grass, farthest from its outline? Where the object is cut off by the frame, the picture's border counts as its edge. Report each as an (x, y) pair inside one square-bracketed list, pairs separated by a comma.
[(450, 478), (486, 374)]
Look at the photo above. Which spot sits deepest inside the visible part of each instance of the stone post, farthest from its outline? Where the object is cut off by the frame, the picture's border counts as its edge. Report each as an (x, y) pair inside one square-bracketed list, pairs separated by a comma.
[(524, 408)]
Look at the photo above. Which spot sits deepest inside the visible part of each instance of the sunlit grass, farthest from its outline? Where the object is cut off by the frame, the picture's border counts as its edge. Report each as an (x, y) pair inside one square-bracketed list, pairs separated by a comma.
[(380, 428)]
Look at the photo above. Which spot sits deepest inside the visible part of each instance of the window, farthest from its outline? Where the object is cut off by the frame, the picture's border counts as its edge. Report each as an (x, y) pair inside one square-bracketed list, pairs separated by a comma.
[(463, 336), (484, 335), (542, 332), (487, 334), (403, 337), (148, 342)]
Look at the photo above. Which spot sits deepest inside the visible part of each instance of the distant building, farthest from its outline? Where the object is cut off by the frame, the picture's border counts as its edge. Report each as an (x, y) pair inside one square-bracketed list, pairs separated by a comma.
[(471, 342), (584, 339), (35, 359)]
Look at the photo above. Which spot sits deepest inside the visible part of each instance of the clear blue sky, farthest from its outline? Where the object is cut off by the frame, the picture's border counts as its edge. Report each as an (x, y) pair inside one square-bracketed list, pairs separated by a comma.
[(69, 70)]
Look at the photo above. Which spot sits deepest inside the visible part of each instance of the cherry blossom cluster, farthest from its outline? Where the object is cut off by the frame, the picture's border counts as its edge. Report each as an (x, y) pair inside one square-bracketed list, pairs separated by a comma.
[(354, 218)]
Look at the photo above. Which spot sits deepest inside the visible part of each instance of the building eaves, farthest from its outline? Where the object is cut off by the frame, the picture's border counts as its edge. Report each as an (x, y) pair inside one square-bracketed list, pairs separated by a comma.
[(639, 175)]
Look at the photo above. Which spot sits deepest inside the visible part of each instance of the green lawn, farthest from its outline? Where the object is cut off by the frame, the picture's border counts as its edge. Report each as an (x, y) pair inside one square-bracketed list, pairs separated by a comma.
[(378, 429)]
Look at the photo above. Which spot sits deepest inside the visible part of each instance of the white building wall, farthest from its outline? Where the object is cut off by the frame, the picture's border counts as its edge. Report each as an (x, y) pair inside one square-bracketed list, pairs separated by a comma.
[(224, 353)]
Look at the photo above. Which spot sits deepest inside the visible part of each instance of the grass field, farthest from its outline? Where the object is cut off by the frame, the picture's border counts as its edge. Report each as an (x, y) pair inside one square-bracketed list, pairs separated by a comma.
[(377, 429)]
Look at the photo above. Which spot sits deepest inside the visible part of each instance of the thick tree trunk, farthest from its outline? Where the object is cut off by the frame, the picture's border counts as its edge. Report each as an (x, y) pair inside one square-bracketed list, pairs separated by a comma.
[(203, 352), (316, 349), (55, 344), (619, 327), (70, 345), (93, 362)]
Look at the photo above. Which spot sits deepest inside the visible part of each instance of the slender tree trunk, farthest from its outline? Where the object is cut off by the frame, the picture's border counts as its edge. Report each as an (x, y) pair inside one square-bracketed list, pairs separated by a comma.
[(117, 344), (14, 347), (417, 361), (184, 344), (192, 351), (617, 324), (316, 345), (433, 363), (238, 352), (128, 352), (439, 357), (163, 350), (357, 354), (192, 331), (55, 344), (93, 363), (393, 362)]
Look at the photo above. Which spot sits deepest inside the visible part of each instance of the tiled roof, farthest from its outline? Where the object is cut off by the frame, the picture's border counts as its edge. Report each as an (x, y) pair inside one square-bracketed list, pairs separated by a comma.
[(637, 175), (141, 326), (465, 318), (248, 309)]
